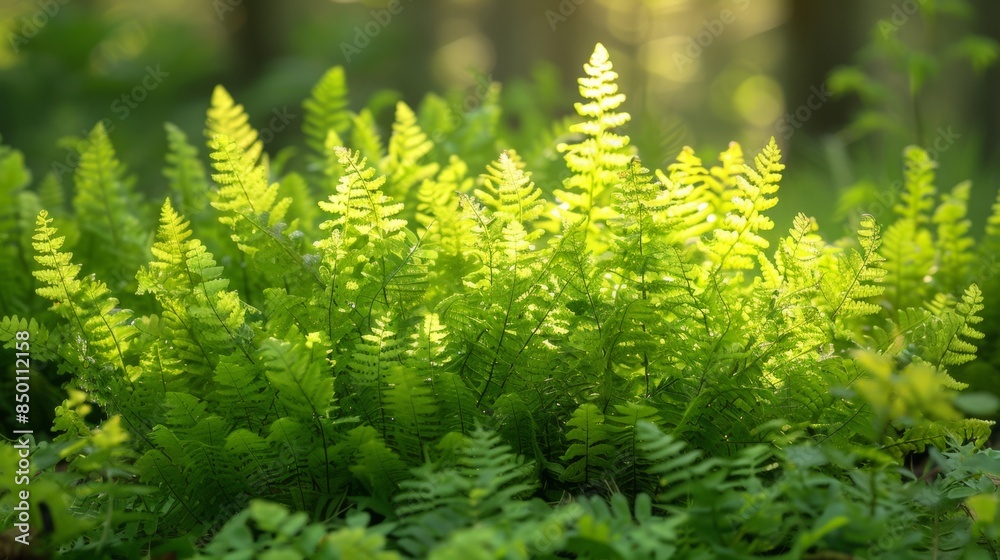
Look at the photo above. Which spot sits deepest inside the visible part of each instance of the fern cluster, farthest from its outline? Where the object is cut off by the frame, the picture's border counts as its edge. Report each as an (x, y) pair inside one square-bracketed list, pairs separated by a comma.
[(451, 358)]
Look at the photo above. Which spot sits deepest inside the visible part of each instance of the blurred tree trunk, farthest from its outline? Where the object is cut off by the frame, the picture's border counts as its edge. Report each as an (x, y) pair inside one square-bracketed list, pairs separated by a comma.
[(822, 36)]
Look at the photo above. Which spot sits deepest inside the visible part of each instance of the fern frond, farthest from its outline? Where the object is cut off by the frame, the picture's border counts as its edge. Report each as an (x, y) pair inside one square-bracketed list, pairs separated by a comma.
[(676, 467), (376, 466), (856, 278), (955, 331), (361, 207), (255, 214), (105, 206), (241, 392), (408, 145), (597, 160), (226, 118), (515, 423), (590, 457), (200, 316), (909, 257), (630, 466), (185, 173), (953, 245), (410, 402), (298, 370), (736, 241), (102, 329), (365, 137), (243, 185), (486, 481), (326, 109), (917, 198), (14, 177), (449, 229), (374, 357), (940, 435)]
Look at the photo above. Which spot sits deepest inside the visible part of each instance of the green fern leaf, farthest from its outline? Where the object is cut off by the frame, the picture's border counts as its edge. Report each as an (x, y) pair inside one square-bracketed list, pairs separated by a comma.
[(856, 279), (408, 145), (326, 110), (589, 458), (105, 207), (953, 245), (185, 174), (226, 118), (597, 160), (365, 137), (736, 241)]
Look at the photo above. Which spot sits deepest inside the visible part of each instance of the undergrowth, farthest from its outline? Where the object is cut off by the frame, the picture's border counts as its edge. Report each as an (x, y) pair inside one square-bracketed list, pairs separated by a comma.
[(451, 356)]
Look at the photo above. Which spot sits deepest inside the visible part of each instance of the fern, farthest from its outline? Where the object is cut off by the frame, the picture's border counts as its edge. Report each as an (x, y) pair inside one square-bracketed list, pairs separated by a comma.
[(589, 457), (908, 247), (736, 240), (227, 118), (597, 160), (185, 174), (14, 177), (365, 137), (862, 272), (953, 244), (326, 110), (487, 366), (255, 215), (104, 202), (407, 146), (101, 332), (484, 482)]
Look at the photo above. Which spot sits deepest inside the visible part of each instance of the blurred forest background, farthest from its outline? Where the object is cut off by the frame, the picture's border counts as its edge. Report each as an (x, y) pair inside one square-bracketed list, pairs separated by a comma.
[(842, 85)]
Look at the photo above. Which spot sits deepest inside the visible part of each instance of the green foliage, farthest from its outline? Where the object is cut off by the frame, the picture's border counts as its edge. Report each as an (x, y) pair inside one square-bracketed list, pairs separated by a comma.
[(441, 359)]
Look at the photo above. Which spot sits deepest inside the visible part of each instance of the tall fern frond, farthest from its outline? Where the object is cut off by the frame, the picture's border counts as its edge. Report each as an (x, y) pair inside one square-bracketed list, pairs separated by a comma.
[(953, 245), (908, 251), (106, 206), (917, 197), (374, 358), (255, 213), (408, 145), (326, 110), (411, 404), (226, 118), (630, 466), (589, 457), (856, 279), (99, 341), (597, 160), (365, 137), (14, 254), (736, 241), (185, 173)]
